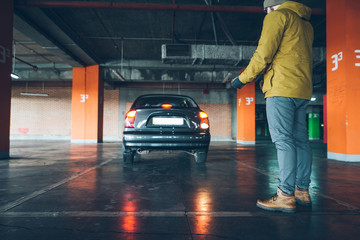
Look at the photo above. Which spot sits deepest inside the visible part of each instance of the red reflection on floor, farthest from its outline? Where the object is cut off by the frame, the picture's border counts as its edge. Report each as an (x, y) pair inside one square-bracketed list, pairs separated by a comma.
[(203, 204), (129, 223)]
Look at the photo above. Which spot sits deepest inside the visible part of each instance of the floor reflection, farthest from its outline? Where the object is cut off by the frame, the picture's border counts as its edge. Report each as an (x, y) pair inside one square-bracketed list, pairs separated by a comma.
[(82, 190), (202, 203), (129, 223), (66, 191)]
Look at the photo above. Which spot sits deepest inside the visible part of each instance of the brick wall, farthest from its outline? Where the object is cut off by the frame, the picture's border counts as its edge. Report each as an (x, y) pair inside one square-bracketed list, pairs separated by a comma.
[(33, 115), (219, 118), (111, 113)]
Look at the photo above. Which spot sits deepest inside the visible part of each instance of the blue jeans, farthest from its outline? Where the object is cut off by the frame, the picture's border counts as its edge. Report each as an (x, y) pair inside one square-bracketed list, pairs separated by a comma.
[(288, 130)]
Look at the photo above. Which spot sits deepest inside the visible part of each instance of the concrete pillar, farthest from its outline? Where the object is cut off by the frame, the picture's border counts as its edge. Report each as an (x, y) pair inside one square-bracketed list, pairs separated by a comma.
[(325, 118), (6, 39), (246, 114), (87, 105), (343, 79)]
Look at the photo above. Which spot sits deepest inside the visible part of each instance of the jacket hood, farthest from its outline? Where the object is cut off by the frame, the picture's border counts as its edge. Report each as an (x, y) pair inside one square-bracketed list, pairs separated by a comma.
[(299, 8)]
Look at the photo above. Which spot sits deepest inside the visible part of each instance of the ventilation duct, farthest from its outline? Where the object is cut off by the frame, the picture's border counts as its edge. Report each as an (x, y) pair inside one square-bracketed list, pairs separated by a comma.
[(206, 54), (221, 55)]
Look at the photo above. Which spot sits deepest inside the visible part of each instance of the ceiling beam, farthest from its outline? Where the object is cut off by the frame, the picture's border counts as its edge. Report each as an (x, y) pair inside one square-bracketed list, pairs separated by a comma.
[(39, 27), (32, 31), (147, 6)]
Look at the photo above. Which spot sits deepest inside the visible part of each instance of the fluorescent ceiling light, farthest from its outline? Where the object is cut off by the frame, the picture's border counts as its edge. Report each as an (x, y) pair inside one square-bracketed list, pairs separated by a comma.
[(313, 99), (34, 94), (14, 76)]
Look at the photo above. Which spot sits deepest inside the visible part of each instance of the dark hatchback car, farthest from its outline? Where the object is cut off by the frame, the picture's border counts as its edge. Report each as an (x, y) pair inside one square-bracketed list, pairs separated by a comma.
[(165, 122)]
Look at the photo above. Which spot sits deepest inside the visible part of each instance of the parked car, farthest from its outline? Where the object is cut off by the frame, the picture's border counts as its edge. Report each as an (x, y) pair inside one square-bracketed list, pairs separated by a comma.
[(165, 122)]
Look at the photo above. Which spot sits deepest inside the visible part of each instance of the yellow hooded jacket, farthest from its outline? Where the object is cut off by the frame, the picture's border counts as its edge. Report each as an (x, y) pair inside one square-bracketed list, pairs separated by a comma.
[(284, 53)]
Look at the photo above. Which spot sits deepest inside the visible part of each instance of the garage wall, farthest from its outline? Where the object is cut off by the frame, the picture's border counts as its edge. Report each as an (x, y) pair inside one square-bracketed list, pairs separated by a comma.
[(111, 115), (34, 117)]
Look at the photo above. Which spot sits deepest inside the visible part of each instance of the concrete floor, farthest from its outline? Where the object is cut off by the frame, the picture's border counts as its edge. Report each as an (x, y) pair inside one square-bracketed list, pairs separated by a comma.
[(57, 190)]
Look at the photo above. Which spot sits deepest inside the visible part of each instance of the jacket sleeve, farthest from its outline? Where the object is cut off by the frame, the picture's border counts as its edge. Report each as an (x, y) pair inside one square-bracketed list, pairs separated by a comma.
[(271, 35)]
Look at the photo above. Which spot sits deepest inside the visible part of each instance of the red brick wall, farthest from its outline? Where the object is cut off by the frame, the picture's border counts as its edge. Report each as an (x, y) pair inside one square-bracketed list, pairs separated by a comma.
[(33, 115), (219, 117), (111, 113)]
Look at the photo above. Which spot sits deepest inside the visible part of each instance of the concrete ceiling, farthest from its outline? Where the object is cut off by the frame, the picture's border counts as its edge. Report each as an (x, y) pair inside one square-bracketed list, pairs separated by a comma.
[(143, 40)]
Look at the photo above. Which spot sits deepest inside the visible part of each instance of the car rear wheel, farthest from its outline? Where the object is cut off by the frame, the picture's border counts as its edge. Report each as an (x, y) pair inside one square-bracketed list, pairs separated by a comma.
[(201, 155), (128, 156)]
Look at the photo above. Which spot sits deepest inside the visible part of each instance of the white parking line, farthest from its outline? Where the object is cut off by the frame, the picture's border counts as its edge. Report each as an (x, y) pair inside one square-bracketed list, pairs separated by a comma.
[(48, 188), (103, 214)]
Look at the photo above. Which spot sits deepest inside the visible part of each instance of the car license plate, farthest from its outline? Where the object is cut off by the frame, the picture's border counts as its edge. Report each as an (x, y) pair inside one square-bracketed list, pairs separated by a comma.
[(168, 121)]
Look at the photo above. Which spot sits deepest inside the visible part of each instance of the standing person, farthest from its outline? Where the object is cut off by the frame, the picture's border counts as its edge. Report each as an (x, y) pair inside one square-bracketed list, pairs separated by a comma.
[(284, 55)]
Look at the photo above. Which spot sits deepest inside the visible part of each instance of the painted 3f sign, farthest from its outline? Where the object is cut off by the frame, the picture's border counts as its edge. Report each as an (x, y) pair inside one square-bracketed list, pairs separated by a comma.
[(357, 56), (336, 58), (83, 97), (248, 101)]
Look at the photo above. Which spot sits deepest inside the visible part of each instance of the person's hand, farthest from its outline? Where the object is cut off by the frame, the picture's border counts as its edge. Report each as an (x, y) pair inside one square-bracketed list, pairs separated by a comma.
[(236, 83), (261, 84)]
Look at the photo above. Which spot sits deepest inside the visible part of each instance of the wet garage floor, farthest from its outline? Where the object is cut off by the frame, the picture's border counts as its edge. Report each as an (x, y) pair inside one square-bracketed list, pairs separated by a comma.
[(57, 190)]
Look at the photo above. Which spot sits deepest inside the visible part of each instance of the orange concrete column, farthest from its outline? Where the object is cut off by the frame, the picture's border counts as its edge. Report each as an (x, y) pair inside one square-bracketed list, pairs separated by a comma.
[(6, 38), (325, 118), (343, 79), (87, 105), (246, 114)]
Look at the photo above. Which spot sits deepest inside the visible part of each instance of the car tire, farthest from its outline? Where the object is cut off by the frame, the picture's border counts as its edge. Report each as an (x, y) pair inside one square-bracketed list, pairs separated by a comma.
[(201, 155), (128, 156)]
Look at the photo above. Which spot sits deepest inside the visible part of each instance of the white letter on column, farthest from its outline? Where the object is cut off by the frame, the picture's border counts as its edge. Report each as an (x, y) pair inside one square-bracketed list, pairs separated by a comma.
[(357, 64)]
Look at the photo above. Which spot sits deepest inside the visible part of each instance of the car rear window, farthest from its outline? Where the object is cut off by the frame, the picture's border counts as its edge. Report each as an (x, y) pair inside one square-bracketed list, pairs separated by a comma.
[(157, 101)]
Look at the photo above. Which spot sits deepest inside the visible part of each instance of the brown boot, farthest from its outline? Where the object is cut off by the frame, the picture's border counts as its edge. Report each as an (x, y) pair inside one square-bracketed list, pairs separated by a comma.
[(302, 196), (279, 202)]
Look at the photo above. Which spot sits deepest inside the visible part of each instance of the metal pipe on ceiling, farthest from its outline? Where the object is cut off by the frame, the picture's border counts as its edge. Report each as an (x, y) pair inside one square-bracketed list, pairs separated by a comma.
[(147, 6), (34, 67), (173, 24), (222, 25)]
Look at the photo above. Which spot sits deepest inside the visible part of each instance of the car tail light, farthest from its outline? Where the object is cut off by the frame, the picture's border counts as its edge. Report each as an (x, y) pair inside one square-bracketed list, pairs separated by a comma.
[(130, 119), (166, 106), (204, 121)]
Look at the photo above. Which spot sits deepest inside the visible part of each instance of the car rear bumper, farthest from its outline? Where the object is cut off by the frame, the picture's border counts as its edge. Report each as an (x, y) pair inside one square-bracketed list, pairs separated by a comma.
[(166, 142)]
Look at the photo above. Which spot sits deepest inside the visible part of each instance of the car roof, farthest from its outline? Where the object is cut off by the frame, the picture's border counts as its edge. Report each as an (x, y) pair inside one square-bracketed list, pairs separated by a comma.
[(164, 95)]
